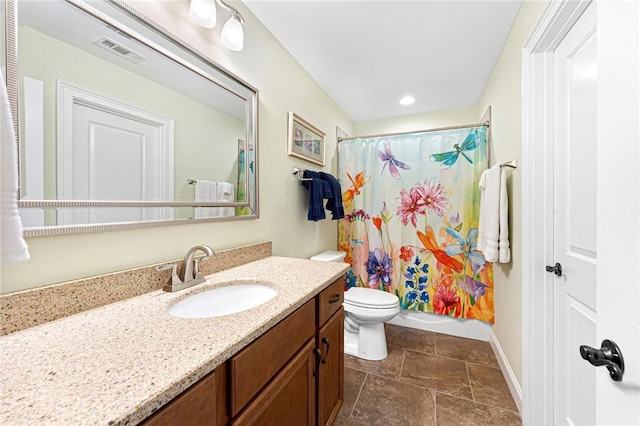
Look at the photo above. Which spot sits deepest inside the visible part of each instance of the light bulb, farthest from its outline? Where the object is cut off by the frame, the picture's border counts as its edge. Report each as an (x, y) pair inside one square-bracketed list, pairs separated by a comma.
[(232, 36), (407, 100), (203, 13)]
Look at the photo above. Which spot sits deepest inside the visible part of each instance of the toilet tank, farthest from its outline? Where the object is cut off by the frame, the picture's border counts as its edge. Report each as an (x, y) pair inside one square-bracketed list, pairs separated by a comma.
[(330, 256)]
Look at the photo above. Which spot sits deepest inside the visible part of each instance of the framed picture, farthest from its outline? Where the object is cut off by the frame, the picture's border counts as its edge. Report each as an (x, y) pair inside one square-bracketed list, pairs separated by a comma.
[(305, 140)]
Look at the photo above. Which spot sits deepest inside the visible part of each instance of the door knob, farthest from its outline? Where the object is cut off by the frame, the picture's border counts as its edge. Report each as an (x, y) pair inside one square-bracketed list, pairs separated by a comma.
[(556, 269), (608, 355)]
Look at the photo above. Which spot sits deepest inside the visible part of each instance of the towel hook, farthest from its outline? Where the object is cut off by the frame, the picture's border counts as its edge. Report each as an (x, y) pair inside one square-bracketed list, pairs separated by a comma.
[(298, 173), (512, 164)]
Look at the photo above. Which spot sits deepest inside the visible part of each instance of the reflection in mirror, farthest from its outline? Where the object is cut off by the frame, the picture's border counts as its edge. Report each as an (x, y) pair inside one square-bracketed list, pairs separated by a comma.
[(120, 124), (3, 44)]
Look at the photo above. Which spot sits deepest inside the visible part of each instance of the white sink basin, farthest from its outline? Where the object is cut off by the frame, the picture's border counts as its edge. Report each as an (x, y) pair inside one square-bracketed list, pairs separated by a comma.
[(223, 301)]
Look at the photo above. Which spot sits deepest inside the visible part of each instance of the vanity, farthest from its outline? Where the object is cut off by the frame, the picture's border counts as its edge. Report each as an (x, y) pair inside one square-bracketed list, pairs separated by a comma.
[(293, 374), (131, 361)]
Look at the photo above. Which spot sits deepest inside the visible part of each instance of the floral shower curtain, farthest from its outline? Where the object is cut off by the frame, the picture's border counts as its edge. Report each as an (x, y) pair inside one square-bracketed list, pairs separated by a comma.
[(412, 204)]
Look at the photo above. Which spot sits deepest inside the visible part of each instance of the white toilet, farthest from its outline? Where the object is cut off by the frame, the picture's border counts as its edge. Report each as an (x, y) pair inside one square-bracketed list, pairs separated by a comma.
[(366, 310)]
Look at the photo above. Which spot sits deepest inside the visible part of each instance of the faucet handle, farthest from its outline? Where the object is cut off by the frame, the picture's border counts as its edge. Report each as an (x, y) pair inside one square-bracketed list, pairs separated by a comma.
[(167, 266), (196, 265), (174, 280)]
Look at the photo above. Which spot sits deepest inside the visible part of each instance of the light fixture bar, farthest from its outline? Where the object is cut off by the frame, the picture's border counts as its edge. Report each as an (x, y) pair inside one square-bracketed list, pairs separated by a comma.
[(233, 11)]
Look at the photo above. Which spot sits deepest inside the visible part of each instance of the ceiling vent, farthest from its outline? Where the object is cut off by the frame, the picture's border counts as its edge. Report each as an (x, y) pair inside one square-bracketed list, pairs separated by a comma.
[(120, 50)]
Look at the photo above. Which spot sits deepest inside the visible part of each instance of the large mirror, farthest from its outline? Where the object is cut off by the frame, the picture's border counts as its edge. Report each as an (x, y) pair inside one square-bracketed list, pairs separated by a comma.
[(120, 125)]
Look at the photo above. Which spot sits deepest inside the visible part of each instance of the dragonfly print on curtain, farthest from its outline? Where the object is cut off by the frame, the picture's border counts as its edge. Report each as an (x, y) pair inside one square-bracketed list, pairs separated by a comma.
[(412, 206)]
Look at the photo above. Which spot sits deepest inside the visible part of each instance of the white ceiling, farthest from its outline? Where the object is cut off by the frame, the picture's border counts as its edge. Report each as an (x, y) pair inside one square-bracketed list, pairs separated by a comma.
[(368, 54), (71, 26)]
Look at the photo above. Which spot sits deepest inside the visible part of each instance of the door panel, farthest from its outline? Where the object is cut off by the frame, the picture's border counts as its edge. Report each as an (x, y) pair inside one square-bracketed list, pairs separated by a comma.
[(114, 172), (575, 224), (618, 403)]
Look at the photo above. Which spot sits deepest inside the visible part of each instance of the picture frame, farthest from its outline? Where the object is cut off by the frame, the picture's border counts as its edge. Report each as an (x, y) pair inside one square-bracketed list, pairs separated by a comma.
[(305, 140)]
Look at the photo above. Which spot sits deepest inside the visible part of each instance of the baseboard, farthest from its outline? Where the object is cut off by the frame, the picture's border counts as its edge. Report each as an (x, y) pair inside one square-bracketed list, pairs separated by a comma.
[(510, 377)]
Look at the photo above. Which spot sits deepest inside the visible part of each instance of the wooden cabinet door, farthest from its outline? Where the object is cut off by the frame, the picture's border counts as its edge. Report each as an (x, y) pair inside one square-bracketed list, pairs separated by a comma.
[(331, 368), (203, 404), (253, 367), (289, 399)]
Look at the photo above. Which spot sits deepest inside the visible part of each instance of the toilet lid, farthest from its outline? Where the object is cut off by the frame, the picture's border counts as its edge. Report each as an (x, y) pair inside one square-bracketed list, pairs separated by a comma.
[(360, 296)]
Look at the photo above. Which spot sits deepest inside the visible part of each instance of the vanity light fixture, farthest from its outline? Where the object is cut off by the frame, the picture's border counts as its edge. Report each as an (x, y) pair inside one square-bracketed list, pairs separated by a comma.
[(203, 13), (407, 100), (232, 36)]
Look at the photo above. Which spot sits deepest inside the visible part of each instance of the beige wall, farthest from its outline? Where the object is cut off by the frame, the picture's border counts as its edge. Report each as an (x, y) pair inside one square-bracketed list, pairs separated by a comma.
[(283, 86), (503, 93), (430, 120)]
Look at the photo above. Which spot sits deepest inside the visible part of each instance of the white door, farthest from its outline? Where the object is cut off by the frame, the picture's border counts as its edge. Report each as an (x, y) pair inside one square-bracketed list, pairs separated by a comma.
[(111, 151), (618, 160), (575, 221), (596, 214), (559, 387), (114, 158)]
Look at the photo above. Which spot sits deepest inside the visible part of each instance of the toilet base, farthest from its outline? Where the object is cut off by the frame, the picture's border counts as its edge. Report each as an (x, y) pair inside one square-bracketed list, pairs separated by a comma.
[(368, 343)]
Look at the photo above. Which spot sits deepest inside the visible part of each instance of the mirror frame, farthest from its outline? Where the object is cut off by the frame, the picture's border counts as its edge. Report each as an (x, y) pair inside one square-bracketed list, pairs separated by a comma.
[(251, 121)]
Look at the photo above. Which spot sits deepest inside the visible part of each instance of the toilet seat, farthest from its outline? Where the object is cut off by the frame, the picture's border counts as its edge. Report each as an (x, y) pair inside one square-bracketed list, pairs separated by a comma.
[(370, 298), (369, 314)]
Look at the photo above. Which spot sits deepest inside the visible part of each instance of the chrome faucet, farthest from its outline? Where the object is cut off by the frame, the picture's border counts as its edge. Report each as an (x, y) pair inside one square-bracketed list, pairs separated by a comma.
[(189, 274)]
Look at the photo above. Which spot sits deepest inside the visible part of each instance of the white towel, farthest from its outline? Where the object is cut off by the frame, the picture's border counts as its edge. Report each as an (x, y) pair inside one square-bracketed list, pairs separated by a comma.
[(226, 194), (206, 191), (493, 231), (13, 248)]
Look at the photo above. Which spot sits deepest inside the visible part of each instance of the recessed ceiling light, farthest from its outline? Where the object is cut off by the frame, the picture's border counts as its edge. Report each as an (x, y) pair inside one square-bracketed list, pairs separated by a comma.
[(407, 100)]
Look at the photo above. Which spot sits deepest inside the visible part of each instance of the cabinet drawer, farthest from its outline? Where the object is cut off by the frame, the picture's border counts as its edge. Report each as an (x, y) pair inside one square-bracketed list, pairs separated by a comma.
[(330, 300), (256, 364)]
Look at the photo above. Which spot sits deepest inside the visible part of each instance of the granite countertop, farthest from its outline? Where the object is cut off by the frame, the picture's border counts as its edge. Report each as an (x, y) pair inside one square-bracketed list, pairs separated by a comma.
[(117, 364)]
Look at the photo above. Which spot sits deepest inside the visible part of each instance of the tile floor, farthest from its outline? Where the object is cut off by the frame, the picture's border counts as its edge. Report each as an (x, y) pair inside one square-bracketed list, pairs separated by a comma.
[(427, 379)]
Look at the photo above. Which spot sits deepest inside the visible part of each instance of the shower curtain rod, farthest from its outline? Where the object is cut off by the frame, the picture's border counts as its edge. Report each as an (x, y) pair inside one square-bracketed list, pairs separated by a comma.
[(463, 126)]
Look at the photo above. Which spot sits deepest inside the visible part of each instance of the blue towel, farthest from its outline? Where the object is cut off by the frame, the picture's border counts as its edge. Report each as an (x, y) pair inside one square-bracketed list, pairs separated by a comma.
[(318, 191), (334, 202)]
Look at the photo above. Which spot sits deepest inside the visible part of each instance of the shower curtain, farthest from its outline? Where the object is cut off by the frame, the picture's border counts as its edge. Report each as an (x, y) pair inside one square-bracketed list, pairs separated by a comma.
[(243, 158), (412, 204)]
